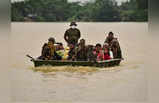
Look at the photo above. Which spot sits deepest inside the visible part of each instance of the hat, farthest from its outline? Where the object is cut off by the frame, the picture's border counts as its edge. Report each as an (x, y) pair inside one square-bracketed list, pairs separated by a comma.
[(111, 32), (73, 23), (51, 39)]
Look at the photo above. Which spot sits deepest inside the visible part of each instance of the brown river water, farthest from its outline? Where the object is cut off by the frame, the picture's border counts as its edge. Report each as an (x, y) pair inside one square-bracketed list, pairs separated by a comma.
[(123, 83)]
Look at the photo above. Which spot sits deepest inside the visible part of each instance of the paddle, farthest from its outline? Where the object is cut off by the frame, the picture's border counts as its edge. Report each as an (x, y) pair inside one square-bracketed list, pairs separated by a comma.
[(32, 59)]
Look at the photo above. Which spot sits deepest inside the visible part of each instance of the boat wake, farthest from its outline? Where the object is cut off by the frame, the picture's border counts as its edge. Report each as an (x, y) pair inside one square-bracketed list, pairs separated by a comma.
[(79, 69), (72, 69)]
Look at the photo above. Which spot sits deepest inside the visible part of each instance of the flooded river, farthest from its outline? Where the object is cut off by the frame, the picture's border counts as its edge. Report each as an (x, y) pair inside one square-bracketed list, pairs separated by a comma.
[(123, 83)]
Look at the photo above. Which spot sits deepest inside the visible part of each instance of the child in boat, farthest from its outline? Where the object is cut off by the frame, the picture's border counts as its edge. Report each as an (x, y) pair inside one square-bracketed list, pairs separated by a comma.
[(60, 49), (100, 55), (66, 51), (106, 52), (59, 46), (71, 53), (98, 52)]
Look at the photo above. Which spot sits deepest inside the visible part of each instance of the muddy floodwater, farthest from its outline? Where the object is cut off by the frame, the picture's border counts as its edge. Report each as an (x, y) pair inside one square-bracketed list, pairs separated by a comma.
[(124, 83)]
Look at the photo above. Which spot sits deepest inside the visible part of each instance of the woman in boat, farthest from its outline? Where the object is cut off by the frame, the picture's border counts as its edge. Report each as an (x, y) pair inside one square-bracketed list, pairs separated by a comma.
[(98, 52), (106, 52)]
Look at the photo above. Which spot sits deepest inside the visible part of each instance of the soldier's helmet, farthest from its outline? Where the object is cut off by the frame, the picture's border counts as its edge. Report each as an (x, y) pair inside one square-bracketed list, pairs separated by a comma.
[(73, 23), (51, 39)]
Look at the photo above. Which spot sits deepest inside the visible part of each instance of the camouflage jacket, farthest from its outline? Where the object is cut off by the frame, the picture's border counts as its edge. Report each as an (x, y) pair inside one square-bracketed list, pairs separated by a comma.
[(73, 36)]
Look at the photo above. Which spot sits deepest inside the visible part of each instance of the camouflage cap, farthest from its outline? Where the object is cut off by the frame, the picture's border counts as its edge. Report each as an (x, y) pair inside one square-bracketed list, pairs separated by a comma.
[(111, 32), (73, 23)]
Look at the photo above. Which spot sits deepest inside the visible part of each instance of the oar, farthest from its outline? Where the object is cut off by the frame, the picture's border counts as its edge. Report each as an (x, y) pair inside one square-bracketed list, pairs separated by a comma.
[(32, 59)]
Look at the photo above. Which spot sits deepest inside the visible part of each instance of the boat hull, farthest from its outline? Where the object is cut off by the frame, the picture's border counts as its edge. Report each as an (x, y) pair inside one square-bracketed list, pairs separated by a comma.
[(106, 63)]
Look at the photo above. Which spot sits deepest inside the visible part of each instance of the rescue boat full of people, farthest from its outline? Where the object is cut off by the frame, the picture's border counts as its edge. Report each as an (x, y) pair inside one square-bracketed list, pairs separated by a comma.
[(79, 54)]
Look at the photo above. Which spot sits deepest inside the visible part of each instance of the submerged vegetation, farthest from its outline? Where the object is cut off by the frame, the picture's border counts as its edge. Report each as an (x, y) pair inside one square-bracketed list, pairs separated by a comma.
[(94, 11)]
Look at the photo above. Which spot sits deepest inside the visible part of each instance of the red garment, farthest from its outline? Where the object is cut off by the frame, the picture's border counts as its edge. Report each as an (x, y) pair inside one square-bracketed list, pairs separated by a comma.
[(106, 56), (100, 55)]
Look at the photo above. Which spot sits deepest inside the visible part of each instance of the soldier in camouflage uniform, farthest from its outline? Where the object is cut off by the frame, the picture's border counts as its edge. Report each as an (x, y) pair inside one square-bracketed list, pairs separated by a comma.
[(72, 35)]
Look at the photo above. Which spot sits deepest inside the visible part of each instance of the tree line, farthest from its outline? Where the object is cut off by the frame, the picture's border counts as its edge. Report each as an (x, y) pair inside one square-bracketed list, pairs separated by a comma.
[(62, 10)]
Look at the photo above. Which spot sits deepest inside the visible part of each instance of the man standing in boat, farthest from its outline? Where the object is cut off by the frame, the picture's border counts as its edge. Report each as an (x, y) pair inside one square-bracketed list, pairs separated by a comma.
[(72, 35)]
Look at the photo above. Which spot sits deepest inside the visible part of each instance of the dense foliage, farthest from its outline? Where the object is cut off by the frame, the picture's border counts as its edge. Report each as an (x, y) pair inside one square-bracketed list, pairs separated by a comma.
[(62, 10)]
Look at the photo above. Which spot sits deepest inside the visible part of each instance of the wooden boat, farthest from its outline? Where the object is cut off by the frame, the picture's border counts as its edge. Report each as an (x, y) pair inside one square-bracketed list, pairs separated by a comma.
[(105, 63)]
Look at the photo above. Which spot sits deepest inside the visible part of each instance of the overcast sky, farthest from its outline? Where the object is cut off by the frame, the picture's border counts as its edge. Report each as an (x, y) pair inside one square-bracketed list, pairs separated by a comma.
[(119, 1)]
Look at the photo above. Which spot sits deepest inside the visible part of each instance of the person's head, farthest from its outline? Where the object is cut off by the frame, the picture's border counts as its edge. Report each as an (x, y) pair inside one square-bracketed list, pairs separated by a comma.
[(71, 46), (105, 46), (73, 25), (98, 47), (111, 35), (51, 39), (61, 46), (50, 44), (82, 42)]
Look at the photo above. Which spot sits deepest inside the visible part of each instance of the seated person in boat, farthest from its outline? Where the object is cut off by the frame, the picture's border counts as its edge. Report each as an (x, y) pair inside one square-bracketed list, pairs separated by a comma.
[(81, 51), (49, 51), (45, 54), (102, 53), (60, 49), (66, 51), (90, 55), (98, 52), (115, 47), (59, 46), (106, 51), (71, 53)]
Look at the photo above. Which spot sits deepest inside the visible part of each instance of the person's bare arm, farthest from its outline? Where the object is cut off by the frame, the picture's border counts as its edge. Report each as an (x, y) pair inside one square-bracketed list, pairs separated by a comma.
[(66, 36)]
